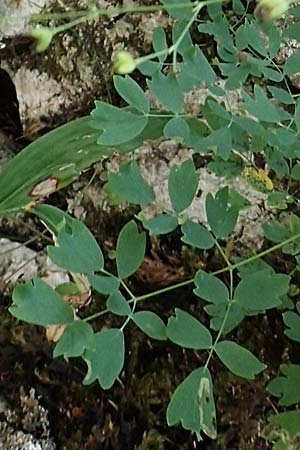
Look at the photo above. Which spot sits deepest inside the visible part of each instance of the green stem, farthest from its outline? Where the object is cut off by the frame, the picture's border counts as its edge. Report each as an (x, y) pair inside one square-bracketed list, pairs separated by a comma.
[(106, 272), (228, 268), (211, 352), (173, 49), (185, 30), (113, 11), (72, 24)]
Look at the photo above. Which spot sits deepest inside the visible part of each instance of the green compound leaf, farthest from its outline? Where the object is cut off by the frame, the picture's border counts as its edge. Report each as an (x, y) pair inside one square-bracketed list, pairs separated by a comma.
[(152, 131), (263, 108), (78, 250), (272, 75), (179, 32), (178, 13), (254, 38), (68, 288), (129, 185), (148, 68), (151, 324), (219, 110), (161, 224), (221, 215), (291, 65), (292, 31), (159, 41), (105, 357), (104, 285), (198, 130), (217, 311), (238, 7), (213, 290), (182, 185), (289, 423), (249, 125), (229, 169), (278, 200), (196, 235), (275, 231), (194, 70), (117, 125), (292, 321), (238, 360), (167, 91), (281, 95), (284, 139), (219, 140), (261, 290), (76, 337), (237, 76), (193, 404), (177, 128), (117, 304), (277, 162), (297, 115), (131, 247), (185, 330), (219, 28), (36, 302), (252, 267), (295, 172), (274, 35), (210, 288), (53, 218), (287, 386), (237, 200), (132, 93)]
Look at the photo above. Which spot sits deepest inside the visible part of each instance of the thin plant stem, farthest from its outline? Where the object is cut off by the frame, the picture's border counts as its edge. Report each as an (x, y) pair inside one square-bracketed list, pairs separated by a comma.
[(113, 11), (228, 268), (230, 300)]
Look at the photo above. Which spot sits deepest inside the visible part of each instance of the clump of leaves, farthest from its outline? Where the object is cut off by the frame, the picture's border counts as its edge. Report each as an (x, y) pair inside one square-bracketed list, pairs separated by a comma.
[(263, 127)]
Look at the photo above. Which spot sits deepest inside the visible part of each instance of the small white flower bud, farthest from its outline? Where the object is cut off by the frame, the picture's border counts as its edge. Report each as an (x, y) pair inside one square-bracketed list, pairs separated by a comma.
[(125, 63), (268, 10), (44, 36)]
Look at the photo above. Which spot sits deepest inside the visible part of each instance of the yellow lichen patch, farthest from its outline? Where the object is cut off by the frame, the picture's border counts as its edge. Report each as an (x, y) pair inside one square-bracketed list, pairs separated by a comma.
[(258, 179)]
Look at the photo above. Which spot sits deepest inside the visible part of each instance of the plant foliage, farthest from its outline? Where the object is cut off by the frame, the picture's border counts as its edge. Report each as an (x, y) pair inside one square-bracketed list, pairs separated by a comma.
[(256, 140)]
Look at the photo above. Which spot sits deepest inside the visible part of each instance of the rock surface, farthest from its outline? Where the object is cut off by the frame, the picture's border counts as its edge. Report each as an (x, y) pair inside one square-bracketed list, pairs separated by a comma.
[(19, 429), (15, 15)]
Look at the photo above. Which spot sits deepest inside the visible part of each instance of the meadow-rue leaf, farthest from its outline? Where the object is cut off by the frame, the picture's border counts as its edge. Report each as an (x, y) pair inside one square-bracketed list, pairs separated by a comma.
[(104, 284), (36, 302), (286, 386), (77, 336), (238, 360), (105, 357), (193, 404), (182, 185), (130, 251), (151, 324), (117, 304), (77, 249), (185, 330)]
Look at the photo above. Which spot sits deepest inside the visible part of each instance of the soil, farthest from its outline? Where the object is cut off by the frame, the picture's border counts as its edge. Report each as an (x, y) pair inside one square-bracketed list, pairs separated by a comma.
[(132, 414)]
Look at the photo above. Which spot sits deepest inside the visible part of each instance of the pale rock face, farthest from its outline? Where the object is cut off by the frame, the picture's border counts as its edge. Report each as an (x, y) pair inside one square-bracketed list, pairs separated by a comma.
[(16, 14), (17, 433), (17, 262)]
